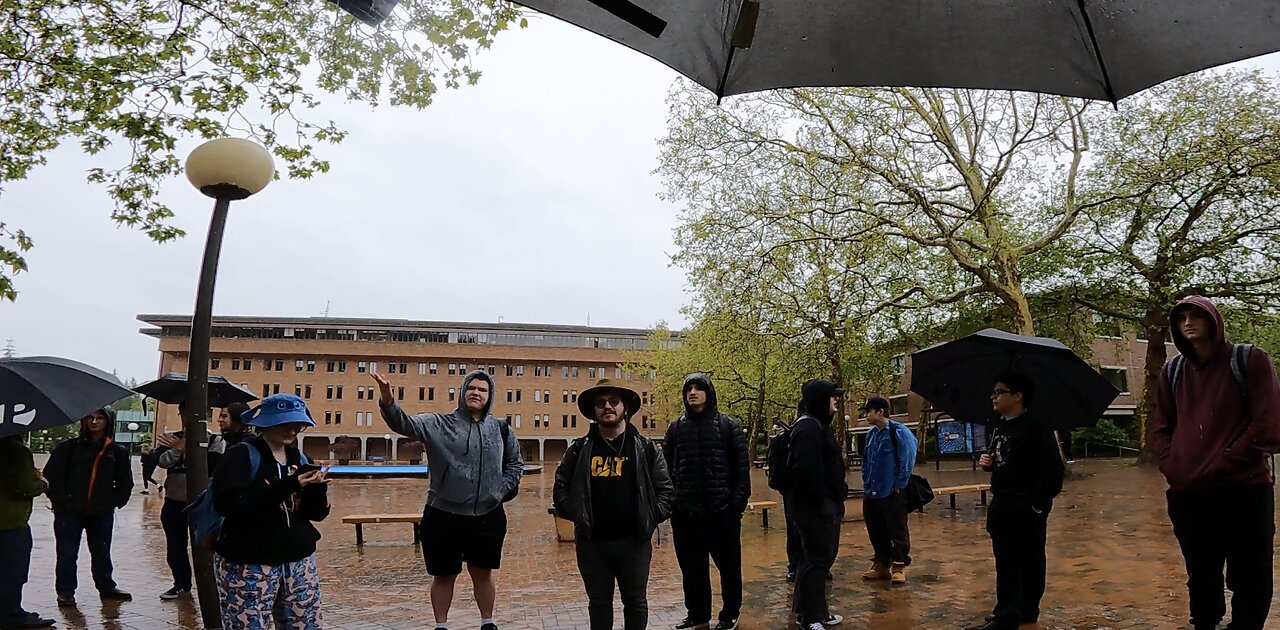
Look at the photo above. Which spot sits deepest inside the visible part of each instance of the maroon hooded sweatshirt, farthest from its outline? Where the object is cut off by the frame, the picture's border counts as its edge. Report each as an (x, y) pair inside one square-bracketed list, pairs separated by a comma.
[(1204, 434)]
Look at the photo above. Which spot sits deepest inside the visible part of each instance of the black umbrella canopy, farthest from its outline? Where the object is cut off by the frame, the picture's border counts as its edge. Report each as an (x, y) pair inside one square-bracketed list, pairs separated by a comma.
[(43, 392), (171, 389), (957, 378), (1087, 48)]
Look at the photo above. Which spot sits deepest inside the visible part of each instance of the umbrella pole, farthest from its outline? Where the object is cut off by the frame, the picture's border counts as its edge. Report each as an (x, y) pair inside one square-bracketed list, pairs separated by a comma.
[(195, 424)]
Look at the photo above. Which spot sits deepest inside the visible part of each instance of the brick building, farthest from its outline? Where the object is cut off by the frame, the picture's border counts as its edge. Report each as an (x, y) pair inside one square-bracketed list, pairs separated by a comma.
[(538, 368)]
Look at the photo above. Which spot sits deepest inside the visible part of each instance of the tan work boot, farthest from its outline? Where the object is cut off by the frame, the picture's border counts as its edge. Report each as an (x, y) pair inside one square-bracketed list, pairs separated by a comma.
[(898, 573), (876, 572)]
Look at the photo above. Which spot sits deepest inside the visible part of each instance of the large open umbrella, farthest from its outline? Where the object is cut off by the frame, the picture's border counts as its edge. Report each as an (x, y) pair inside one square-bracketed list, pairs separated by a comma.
[(957, 377), (172, 389), (43, 392), (1087, 48)]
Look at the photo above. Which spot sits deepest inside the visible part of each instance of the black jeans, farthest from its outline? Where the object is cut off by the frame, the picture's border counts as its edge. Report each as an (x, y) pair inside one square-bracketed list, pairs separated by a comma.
[(67, 529), (1017, 540), (819, 528), (176, 536), (717, 537), (624, 561), (15, 560), (887, 528), (795, 550), (1232, 526)]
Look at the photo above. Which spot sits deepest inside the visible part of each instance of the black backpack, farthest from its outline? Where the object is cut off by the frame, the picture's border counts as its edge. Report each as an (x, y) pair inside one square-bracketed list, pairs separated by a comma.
[(776, 458), (1239, 368)]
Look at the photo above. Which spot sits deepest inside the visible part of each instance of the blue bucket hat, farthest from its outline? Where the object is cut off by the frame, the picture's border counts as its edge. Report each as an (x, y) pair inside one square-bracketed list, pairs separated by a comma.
[(276, 410)]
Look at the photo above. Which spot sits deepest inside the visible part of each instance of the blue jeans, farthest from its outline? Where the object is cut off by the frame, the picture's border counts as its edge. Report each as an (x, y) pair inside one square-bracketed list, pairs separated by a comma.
[(66, 533), (15, 560)]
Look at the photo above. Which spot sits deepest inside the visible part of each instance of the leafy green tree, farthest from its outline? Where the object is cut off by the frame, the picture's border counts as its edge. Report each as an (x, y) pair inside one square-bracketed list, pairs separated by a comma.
[(141, 76)]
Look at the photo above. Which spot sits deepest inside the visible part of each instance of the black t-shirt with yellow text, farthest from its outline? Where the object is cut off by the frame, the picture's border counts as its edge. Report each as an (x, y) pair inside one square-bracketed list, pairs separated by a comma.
[(613, 488)]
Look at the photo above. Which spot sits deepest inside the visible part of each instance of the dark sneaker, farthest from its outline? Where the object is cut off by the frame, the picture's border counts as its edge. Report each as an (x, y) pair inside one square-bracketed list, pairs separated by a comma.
[(174, 593), (727, 624), (116, 594), (791, 577), (31, 620), (687, 624), (489, 626), (66, 599)]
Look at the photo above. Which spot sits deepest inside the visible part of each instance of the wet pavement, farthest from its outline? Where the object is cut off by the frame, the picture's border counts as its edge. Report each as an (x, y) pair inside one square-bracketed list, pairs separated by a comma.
[(1113, 563)]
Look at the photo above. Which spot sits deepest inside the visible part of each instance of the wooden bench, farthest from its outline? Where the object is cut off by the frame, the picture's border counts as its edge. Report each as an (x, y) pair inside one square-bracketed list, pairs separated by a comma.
[(760, 462), (360, 520), (952, 491), (763, 507)]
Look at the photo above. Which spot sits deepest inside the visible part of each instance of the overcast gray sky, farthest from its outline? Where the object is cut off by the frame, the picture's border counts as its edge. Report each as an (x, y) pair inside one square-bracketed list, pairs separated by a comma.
[(528, 197)]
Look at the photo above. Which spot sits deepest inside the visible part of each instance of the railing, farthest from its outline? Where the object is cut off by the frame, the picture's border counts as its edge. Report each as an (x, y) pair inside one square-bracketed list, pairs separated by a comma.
[(1120, 450)]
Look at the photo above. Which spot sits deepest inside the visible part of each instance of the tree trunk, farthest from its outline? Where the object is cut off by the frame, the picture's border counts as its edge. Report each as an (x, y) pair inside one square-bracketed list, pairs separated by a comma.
[(1156, 326)]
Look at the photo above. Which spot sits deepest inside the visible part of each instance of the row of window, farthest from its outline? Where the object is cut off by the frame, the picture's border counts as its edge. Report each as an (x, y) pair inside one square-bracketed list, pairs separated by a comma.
[(422, 336), (425, 394), (237, 364)]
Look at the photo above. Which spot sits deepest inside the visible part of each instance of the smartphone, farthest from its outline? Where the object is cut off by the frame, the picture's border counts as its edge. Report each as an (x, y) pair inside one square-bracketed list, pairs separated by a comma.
[(306, 468)]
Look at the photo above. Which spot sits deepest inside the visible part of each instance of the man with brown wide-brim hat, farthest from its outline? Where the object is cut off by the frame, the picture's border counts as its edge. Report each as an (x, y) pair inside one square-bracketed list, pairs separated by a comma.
[(613, 484)]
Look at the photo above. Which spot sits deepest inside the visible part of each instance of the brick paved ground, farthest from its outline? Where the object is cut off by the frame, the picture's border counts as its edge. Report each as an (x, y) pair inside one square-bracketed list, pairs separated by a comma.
[(1113, 563)]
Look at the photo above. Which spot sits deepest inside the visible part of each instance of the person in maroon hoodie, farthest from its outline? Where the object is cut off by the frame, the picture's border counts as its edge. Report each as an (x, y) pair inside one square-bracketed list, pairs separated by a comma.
[(1213, 438)]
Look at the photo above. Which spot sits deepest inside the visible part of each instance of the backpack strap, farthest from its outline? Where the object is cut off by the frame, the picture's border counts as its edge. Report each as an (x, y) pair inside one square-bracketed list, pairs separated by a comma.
[(1173, 370), (1240, 364)]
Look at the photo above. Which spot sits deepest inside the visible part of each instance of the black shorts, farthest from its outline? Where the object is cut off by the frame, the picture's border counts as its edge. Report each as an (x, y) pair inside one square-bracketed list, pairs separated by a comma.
[(449, 539)]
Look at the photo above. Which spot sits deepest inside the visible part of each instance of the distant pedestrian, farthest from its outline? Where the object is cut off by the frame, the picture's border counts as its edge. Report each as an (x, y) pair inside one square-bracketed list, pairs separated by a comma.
[(613, 484), (1217, 423), (886, 468), (149, 460)]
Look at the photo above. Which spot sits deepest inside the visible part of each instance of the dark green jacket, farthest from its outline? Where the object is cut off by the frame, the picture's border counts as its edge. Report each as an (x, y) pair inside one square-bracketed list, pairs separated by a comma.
[(18, 483)]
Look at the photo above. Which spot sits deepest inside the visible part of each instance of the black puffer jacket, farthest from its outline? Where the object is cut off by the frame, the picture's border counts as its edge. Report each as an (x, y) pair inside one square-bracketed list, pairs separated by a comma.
[(707, 455), (88, 477)]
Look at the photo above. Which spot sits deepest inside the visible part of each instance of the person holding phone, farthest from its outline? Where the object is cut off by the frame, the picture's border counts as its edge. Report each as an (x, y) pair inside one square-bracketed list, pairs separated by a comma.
[(265, 553)]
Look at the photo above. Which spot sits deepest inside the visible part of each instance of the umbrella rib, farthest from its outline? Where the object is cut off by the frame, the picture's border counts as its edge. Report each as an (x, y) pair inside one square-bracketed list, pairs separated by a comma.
[(1097, 53)]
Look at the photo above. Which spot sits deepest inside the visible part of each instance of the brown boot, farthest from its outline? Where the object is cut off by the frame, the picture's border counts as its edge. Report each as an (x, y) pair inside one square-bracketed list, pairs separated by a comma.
[(876, 572), (898, 573)]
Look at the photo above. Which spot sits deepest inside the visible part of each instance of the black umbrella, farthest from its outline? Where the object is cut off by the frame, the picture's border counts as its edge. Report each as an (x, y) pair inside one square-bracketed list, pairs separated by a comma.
[(43, 392), (957, 377), (171, 389), (1086, 48)]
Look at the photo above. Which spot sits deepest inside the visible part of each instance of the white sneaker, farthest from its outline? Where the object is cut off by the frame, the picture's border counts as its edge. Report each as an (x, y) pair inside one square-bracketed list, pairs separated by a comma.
[(814, 626), (833, 620)]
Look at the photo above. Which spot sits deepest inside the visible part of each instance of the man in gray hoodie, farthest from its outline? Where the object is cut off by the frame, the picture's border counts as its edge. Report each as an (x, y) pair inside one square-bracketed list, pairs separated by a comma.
[(475, 466)]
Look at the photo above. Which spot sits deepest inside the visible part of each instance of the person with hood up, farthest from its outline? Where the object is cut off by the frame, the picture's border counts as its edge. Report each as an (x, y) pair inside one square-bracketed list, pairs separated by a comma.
[(706, 453), (269, 496), (20, 482), (815, 463), (89, 478), (613, 485), (475, 465), (1216, 423)]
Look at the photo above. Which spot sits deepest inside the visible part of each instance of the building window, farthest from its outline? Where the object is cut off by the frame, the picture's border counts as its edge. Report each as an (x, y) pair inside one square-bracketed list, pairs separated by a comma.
[(306, 392), (431, 393), (511, 395), (898, 365), (573, 396), (342, 366), (328, 417), (644, 398), (573, 421), (564, 371), (391, 368), (235, 364), (266, 390), (422, 393), (275, 389), (328, 393), (311, 366), (575, 371), (373, 366), (329, 366), (361, 367), (338, 394), (422, 369), (537, 421), (517, 395), (617, 373), (433, 368), (359, 393), (279, 365), (453, 393), (492, 369), (248, 364), (517, 421), (297, 391), (546, 396), (1118, 377), (462, 368), (564, 421), (511, 370), (519, 370), (537, 395), (214, 363), (453, 369), (404, 367), (591, 372), (898, 405), (537, 370), (266, 365), (299, 365), (644, 422), (566, 396), (400, 393), (337, 417), (359, 418)]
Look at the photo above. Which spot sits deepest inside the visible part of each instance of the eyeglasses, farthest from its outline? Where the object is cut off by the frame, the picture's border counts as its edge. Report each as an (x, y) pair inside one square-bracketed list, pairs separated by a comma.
[(997, 392), (601, 403)]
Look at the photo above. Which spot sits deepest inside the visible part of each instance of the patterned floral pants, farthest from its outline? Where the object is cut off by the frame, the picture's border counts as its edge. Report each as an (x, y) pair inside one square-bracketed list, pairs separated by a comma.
[(253, 594)]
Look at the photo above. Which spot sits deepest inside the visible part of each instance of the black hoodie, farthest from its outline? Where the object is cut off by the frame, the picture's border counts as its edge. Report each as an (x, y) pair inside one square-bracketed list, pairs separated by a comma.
[(815, 459), (88, 477), (707, 455)]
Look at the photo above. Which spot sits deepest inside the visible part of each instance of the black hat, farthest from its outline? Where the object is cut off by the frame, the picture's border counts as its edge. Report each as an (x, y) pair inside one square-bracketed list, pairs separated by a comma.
[(877, 403), (587, 399)]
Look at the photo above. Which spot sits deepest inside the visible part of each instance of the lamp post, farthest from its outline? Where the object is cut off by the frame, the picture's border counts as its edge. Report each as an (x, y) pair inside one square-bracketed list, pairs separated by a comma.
[(227, 169)]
